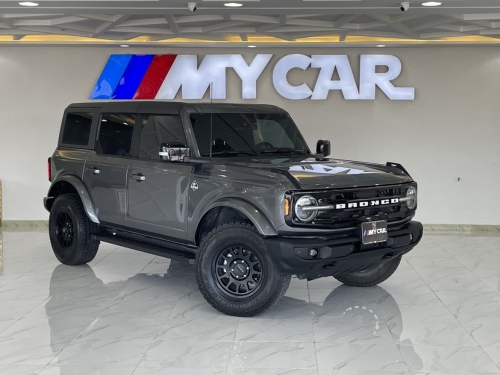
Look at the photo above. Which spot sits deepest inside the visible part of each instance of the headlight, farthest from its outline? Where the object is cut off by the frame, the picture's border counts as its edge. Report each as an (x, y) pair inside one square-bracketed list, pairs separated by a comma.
[(303, 202), (411, 194)]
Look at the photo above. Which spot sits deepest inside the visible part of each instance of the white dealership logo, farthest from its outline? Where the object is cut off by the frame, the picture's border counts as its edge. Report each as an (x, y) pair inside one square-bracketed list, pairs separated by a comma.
[(193, 81)]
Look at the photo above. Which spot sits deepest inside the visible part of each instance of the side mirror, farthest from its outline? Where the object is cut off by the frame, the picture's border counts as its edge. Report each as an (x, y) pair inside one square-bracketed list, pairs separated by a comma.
[(323, 147), (175, 152)]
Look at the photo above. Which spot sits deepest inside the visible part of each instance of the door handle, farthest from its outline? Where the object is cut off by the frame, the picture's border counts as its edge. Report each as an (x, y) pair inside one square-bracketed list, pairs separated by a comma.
[(93, 170), (138, 177)]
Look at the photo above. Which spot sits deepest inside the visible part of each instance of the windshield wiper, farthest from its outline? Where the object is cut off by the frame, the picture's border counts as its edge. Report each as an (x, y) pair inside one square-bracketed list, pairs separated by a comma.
[(283, 150), (228, 152)]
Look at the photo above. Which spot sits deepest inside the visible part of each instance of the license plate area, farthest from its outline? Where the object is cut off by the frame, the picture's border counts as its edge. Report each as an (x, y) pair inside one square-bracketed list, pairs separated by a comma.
[(374, 232)]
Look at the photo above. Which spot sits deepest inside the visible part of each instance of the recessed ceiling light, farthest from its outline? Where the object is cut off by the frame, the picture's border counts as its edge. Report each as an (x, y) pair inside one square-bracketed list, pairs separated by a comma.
[(432, 4), (28, 4), (124, 45), (380, 45), (234, 5), (252, 46)]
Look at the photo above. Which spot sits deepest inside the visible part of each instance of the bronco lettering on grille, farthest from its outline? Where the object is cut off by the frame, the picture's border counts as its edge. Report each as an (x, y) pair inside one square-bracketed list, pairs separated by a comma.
[(370, 203)]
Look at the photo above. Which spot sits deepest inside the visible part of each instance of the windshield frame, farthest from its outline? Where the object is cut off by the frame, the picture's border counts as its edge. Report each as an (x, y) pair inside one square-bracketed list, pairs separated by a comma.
[(208, 109)]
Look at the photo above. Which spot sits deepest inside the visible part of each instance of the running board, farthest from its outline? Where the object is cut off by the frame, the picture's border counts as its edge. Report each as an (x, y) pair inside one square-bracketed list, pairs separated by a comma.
[(146, 247)]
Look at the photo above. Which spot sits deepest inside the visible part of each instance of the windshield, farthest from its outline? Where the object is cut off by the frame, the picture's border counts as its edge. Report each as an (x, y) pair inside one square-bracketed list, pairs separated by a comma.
[(247, 134)]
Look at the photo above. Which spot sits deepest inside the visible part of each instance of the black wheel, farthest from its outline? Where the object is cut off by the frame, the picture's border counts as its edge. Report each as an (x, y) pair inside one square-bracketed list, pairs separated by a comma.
[(372, 276), (235, 273), (70, 231)]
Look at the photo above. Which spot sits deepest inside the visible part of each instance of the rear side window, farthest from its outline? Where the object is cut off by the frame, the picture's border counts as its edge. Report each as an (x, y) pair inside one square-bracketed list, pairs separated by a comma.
[(77, 129), (115, 134)]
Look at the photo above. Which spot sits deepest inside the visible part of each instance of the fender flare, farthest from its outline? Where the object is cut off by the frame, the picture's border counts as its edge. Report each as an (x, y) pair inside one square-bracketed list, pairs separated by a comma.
[(258, 219), (82, 192)]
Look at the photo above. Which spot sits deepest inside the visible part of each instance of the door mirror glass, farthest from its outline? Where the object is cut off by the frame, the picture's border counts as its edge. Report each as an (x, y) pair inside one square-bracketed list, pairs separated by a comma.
[(175, 152), (323, 148)]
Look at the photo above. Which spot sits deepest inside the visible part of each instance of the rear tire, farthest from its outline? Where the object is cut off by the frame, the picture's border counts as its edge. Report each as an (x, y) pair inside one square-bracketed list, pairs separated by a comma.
[(70, 231), (370, 277), (235, 273)]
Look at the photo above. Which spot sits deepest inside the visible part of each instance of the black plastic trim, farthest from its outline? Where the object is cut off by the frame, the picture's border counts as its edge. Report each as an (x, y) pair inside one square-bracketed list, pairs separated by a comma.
[(340, 254), (146, 247), (398, 166)]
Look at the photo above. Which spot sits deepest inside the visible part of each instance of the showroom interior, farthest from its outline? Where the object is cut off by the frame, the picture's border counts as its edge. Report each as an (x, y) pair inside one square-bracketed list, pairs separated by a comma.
[(406, 93)]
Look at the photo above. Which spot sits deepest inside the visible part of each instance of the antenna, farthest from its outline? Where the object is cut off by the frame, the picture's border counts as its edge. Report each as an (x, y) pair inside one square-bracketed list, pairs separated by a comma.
[(211, 119)]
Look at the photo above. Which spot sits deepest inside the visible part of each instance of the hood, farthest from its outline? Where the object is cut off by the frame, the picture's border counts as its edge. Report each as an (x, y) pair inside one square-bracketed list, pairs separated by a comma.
[(311, 174)]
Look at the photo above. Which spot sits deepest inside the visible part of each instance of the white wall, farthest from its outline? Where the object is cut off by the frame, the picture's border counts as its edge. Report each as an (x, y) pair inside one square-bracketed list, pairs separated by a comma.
[(450, 131)]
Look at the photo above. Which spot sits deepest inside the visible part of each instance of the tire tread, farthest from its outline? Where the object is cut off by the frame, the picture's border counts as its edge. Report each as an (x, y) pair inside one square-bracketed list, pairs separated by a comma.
[(279, 292), (88, 246), (362, 282)]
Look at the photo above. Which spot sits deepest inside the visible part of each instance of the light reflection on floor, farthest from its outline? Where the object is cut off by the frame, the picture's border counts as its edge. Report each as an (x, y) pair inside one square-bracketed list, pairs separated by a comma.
[(132, 313)]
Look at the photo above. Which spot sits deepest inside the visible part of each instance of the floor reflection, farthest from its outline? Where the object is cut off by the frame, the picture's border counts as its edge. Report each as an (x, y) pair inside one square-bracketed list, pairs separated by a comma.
[(348, 319), (132, 313)]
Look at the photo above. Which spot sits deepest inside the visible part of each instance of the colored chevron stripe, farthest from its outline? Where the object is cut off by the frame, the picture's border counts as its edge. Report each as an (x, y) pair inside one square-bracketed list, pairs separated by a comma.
[(155, 76), (110, 76), (131, 79), (132, 76)]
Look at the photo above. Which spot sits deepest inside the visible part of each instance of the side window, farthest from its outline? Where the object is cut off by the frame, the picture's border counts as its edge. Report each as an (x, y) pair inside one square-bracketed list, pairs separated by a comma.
[(77, 129), (158, 129), (115, 134)]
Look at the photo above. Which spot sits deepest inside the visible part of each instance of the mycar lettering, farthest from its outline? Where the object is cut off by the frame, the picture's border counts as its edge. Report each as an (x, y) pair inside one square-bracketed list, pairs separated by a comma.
[(165, 76), (194, 82)]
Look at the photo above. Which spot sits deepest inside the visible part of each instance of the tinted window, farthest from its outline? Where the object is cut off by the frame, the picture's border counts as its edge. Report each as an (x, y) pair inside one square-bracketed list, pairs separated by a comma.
[(115, 134), (158, 129), (77, 129), (247, 133)]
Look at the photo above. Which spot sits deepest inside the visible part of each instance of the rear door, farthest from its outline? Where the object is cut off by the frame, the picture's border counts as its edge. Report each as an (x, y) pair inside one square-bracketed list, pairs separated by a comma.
[(105, 172), (157, 190)]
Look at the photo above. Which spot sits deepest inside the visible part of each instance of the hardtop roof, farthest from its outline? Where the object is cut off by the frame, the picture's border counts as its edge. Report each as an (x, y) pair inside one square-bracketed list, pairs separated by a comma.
[(158, 106)]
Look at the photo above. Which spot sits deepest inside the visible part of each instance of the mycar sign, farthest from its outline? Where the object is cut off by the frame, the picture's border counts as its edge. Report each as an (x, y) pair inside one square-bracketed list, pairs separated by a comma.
[(164, 76)]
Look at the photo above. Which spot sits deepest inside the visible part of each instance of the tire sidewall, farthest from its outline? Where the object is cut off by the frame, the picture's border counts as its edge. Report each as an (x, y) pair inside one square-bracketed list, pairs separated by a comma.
[(236, 236), (371, 277), (61, 205)]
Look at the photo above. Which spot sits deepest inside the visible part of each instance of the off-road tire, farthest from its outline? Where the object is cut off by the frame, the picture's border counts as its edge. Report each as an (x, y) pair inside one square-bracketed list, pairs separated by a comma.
[(83, 247), (273, 286), (370, 277)]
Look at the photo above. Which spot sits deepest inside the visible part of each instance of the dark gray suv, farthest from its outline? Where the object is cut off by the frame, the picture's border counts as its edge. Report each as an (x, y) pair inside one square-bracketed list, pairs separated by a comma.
[(232, 187)]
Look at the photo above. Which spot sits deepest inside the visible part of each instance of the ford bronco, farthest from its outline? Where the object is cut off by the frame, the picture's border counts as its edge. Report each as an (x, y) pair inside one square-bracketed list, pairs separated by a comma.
[(232, 188)]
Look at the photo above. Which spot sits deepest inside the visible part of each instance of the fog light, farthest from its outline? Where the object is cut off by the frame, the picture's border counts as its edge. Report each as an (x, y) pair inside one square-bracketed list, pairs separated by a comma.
[(313, 253)]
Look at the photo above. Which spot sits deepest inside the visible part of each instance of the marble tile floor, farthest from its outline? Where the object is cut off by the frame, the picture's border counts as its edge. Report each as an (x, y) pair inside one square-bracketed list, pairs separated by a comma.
[(132, 313)]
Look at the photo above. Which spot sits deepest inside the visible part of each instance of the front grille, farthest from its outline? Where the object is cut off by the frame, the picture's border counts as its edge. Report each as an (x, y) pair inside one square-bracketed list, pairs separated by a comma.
[(339, 218)]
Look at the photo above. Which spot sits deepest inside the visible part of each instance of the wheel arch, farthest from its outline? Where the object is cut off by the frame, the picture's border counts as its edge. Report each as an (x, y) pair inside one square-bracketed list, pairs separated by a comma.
[(68, 184), (233, 209)]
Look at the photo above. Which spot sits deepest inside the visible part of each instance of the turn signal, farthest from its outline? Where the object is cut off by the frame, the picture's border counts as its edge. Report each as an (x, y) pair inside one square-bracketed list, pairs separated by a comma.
[(287, 207), (49, 170)]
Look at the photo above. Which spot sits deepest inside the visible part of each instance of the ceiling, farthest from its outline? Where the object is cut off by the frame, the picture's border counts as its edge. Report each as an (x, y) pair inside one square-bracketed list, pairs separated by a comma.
[(266, 22)]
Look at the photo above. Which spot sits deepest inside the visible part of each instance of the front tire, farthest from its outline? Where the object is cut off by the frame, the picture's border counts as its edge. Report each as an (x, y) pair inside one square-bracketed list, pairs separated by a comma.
[(372, 276), (235, 273), (70, 231)]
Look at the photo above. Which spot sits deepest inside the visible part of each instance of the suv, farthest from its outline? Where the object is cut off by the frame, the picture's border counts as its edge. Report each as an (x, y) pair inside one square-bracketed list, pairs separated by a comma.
[(233, 188)]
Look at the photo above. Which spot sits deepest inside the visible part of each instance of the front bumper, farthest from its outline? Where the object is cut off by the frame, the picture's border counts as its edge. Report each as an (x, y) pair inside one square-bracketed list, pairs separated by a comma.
[(339, 254)]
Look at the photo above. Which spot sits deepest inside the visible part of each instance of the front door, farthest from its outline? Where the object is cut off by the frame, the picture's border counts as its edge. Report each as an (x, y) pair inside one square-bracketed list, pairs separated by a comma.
[(157, 190), (105, 172)]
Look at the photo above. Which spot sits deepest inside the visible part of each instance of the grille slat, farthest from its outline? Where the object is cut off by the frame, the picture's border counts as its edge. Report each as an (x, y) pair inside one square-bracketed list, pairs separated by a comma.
[(349, 217)]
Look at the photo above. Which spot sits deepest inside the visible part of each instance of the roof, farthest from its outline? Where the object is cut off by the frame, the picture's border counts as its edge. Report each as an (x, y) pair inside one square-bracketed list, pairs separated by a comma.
[(162, 106)]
